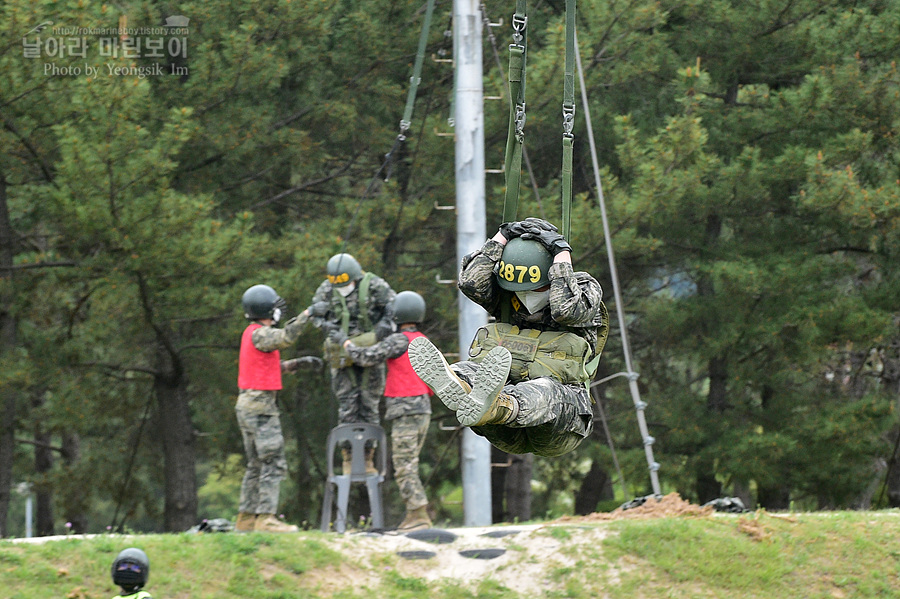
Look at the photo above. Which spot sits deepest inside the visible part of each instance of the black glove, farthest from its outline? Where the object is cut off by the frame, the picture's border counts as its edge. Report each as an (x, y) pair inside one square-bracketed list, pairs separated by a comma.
[(529, 225), (337, 337), (319, 309), (327, 327), (383, 329), (553, 241)]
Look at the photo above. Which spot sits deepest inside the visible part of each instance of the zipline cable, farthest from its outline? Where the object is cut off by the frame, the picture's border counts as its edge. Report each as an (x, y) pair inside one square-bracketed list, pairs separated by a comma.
[(639, 405)]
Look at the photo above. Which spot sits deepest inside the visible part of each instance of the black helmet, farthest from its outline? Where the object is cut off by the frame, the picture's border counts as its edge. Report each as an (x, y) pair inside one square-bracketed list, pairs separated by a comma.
[(409, 307), (131, 568), (342, 269), (524, 265), (261, 301)]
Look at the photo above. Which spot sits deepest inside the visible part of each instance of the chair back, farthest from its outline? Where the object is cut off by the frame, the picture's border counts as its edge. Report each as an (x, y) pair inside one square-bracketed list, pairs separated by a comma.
[(358, 435)]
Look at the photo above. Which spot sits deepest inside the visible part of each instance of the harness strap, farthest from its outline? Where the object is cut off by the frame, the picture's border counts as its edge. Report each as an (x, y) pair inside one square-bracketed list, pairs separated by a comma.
[(568, 114), (516, 135), (364, 322), (414, 82)]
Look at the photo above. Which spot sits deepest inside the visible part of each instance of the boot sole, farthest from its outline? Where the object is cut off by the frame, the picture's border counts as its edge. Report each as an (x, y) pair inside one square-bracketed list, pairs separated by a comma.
[(429, 363), (489, 381)]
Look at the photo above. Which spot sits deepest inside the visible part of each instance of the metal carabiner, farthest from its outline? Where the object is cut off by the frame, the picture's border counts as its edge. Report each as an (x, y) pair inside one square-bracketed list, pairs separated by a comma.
[(568, 113), (518, 24)]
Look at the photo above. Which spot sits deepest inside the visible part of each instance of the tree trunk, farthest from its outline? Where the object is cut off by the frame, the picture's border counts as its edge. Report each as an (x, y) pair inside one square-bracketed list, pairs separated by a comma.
[(596, 487), (774, 498), (75, 504), (43, 463), (7, 345), (177, 435), (518, 487), (498, 484), (708, 488), (510, 486), (890, 378)]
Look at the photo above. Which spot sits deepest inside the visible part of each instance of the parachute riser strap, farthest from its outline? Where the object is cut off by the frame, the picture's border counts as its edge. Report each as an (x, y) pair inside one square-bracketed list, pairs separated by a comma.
[(568, 119), (414, 81), (345, 315), (516, 136)]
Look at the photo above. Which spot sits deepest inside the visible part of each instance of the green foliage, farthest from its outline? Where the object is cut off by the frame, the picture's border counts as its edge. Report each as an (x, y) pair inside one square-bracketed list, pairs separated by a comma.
[(750, 169)]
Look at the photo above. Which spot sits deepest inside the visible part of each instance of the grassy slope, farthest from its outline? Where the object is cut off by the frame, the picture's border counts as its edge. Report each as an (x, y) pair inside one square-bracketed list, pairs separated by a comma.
[(760, 555)]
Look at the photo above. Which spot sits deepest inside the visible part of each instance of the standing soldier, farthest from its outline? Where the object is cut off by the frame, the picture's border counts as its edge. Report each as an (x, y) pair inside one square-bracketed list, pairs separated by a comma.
[(407, 403), (259, 379), (525, 388), (356, 305)]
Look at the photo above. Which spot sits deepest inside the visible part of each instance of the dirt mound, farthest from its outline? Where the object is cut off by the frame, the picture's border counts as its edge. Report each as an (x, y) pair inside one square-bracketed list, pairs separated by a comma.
[(671, 505)]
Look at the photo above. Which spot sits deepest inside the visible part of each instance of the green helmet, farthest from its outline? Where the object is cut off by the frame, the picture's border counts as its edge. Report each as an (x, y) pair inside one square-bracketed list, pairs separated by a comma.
[(524, 265), (261, 301), (409, 307), (342, 269), (131, 568)]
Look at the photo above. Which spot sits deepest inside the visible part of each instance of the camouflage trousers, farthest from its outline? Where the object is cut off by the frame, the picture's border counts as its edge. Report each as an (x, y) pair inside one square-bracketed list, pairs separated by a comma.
[(407, 438), (553, 418), (260, 426), (358, 391)]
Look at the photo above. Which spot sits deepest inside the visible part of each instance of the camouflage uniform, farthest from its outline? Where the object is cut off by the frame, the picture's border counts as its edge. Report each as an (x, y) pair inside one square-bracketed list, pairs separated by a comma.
[(409, 416), (258, 418), (553, 418), (357, 388)]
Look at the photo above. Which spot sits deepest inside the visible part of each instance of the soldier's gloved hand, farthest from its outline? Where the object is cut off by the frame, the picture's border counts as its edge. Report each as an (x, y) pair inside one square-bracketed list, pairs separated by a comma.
[(553, 241), (511, 230), (529, 225), (312, 362), (327, 327), (383, 329), (537, 225), (319, 309), (337, 337)]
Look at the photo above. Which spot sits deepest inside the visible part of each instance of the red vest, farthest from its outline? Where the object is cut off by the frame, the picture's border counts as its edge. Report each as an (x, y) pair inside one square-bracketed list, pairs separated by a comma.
[(258, 370), (402, 380)]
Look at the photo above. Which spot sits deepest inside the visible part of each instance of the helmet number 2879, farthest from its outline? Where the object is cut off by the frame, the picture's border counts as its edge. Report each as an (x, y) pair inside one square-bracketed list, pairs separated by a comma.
[(517, 274)]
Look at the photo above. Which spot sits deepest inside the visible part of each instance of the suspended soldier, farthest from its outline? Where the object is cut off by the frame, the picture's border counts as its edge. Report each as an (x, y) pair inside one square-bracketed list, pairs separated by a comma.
[(407, 403), (259, 379), (525, 386), (356, 305), (130, 571)]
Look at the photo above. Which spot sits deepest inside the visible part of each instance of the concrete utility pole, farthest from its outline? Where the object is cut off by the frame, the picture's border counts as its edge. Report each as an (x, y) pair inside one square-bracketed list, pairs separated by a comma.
[(470, 230)]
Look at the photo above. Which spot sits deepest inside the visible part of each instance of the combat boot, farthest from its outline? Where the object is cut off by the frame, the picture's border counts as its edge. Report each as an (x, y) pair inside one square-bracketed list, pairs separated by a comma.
[(269, 523), (370, 461), (429, 363), (487, 404), (417, 518), (347, 457), (245, 522)]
